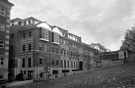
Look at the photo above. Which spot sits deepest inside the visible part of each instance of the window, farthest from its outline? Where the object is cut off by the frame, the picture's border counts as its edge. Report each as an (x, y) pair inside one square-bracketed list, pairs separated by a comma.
[(12, 35), (19, 23), (24, 72), (68, 64), (71, 63), (45, 47), (30, 34), (1, 44), (74, 64), (29, 47), (57, 62), (24, 22), (29, 62), (24, 35), (2, 61), (23, 48), (61, 63), (40, 60), (55, 72), (64, 63), (2, 12), (23, 62), (40, 46), (1, 77), (52, 49), (29, 21), (52, 61), (64, 42), (2, 27), (64, 52), (57, 51)]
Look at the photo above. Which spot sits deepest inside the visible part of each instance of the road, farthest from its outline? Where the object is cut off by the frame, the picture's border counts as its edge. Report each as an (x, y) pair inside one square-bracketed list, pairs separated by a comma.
[(122, 76)]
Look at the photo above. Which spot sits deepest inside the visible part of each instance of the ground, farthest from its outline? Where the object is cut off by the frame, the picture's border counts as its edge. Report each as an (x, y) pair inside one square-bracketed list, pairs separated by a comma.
[(122, 76)]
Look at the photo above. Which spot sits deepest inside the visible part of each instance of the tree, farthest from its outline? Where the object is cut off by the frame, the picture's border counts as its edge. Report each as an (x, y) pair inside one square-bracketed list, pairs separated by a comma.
[(129, 40)]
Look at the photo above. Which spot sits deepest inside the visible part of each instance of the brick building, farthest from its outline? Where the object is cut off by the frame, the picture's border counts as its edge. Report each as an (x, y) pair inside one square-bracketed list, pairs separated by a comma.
[(5, 7), (38, 49)]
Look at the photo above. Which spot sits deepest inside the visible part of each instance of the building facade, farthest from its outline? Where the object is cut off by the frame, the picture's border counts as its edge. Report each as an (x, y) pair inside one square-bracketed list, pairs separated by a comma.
[(5, 8), (38, 49)]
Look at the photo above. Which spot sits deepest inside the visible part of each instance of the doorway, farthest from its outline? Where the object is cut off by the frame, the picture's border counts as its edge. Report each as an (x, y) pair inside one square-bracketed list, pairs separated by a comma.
[(80, 65)]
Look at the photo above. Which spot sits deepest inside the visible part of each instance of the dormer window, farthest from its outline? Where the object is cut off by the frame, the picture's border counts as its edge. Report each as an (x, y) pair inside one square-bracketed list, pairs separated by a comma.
[(55, 38), (44, 35)]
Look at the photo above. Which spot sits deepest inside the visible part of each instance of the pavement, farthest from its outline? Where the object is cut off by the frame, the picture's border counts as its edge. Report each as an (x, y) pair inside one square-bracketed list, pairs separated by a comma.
[(18, 83)]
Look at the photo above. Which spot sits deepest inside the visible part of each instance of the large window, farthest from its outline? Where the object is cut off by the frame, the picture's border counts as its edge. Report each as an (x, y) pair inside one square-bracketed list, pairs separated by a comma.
[(2, 12), (1, 44), (2, 27)]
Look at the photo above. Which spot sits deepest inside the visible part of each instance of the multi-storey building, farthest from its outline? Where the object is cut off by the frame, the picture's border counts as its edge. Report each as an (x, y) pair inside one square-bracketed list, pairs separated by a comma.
[(5, 8), (37, 47)]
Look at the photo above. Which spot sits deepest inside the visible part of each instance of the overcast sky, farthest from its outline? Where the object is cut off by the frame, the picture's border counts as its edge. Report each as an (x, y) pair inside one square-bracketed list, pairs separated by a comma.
[(96, 21)]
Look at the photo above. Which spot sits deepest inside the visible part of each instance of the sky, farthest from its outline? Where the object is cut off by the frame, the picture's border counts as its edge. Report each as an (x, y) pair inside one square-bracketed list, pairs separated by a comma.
[(96, 21)]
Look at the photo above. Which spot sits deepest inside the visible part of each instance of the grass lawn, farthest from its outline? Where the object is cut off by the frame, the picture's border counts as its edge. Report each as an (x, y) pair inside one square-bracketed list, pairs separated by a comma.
[(122, 76)]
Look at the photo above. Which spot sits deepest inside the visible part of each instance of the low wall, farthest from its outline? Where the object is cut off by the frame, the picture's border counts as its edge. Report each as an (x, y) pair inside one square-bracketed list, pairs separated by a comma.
[(106, 63)]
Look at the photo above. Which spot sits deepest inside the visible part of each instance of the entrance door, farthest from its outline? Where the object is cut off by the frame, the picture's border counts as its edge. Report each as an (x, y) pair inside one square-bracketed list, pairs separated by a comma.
[(80, 65), (30, 74)]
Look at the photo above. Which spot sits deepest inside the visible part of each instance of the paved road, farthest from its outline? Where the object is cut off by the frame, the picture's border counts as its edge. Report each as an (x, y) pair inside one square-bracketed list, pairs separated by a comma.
[(111, 77)]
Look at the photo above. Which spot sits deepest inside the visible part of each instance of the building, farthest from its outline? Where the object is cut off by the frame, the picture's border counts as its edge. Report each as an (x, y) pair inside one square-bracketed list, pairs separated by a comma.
[(99, 47), (38, 49), (5, 7), (111, 58)]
